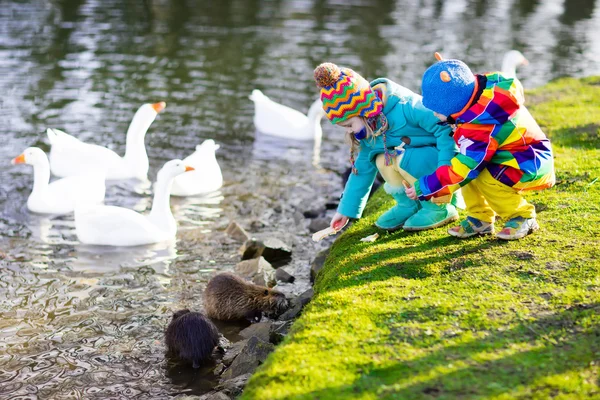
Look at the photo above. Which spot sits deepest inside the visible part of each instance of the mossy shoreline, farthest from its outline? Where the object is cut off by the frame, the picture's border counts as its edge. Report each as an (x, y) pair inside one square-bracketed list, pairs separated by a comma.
[(424, 315)]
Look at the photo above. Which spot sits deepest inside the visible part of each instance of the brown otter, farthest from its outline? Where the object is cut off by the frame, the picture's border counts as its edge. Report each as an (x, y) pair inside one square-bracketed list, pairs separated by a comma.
[(229, 297), (191, 337)]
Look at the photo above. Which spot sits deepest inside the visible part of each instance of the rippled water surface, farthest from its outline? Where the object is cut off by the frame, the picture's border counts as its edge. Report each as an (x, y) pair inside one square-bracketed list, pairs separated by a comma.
[(87, 322)]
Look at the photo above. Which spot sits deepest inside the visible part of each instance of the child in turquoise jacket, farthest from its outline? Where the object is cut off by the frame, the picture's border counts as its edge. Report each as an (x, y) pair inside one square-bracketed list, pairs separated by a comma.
[(393, 133)]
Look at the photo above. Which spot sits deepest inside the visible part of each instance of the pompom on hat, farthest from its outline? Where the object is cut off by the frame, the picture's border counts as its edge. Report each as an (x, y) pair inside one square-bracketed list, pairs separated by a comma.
[(448, 86), (345, 94)]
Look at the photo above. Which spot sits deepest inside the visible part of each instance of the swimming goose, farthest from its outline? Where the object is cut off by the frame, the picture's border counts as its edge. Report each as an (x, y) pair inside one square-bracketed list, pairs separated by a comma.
[(117, 226), (207, 176), (69, 156), (275, 119), (60, 196)]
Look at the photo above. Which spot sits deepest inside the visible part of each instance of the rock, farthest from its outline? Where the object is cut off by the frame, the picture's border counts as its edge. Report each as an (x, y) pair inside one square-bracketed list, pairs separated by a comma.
[(236, 232), (305, 297), (273, 250), (233, 352), (318, 224), (312, 213), (261, 330), (297, 305), (282, 276), (191, 235), (273, 332), (258, 270), (224, 344), (279, 330), (276, 252), (251, 356), (317, 264), (332, 205), (217, 396), (258, 224), (252, 248), (233, 387), (291, 313), (298, 218), (219, 369), (245, 209)]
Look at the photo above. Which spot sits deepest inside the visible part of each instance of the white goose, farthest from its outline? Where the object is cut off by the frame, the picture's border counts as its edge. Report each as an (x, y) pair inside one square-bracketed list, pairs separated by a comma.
[(59, 197), (275, 119), (117, 226), (511, 61), (69, 155), (207, 176)]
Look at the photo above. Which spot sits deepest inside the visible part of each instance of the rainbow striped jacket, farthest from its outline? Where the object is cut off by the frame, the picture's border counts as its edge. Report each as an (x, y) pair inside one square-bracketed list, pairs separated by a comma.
[(496, 132)]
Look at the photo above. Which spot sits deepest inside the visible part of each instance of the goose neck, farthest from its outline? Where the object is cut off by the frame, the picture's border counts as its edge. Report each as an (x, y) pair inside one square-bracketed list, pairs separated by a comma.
[(161, 214), (41, 178), (135, 148), (509, 69)]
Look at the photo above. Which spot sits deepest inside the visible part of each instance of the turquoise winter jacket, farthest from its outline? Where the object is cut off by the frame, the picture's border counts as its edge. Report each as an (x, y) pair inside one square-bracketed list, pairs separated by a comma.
[(407, 117)]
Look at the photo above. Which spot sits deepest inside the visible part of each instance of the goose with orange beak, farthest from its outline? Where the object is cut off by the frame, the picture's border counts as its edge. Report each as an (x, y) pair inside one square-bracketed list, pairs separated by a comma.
[(117, 226), (207, 176), (69, 156), (60, 196)]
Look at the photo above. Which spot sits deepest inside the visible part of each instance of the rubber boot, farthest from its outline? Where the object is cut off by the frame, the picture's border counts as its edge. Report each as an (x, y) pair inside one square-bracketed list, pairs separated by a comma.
[(431, 216), (396, 216)]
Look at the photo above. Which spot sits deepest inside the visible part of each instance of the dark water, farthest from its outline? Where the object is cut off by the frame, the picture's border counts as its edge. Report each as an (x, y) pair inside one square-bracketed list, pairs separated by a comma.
[(87, 322)]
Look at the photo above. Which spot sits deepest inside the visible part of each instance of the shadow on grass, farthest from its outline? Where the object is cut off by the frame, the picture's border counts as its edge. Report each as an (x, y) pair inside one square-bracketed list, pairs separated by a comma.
[(491, 366), (416, 266), (580, 137)]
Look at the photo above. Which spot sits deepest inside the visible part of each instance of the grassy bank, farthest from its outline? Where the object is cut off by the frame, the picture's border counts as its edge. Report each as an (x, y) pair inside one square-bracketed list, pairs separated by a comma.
[(417, 316)]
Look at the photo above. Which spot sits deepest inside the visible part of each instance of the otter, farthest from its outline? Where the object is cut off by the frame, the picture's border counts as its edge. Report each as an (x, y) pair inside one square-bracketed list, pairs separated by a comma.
[(191, 337), (229, 297)]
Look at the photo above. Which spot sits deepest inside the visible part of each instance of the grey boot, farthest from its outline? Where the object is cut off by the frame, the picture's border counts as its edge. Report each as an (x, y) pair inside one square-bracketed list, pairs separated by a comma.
[(396, 216), (430, 216)]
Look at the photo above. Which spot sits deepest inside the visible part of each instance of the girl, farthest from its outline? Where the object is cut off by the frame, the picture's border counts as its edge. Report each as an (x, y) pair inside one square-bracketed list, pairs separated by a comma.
[(392, 132)]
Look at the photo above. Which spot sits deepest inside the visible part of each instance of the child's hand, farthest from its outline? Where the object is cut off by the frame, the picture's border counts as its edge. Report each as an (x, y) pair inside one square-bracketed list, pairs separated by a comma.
[(410, 191), (338, 221)]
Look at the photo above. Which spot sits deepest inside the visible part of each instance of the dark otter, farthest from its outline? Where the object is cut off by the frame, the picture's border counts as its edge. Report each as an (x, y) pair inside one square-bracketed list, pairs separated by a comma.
[(229, 297), (191, 337)]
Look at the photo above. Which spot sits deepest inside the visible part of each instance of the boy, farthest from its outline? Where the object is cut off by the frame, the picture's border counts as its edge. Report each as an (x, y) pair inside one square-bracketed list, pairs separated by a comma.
[(502, 150)]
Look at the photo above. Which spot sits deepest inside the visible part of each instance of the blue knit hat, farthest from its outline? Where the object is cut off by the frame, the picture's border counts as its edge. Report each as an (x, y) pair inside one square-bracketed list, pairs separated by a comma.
[(447, 86)]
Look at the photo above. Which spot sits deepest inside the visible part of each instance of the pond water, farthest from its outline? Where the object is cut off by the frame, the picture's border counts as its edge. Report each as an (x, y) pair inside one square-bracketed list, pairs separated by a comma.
[(87, 322)]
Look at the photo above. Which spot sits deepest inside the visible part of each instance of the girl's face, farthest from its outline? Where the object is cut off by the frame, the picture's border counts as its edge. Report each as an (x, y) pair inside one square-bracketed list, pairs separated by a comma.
[(352, 125), (441, 117)]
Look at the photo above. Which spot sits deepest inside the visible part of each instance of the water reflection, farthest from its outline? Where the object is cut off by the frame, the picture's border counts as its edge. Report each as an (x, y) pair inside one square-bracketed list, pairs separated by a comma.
[(84, 322), (93, 260), (51, 229), (577, 10)]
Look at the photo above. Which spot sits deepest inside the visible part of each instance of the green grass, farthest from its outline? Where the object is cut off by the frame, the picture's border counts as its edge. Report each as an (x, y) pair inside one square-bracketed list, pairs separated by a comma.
[(427, 316)]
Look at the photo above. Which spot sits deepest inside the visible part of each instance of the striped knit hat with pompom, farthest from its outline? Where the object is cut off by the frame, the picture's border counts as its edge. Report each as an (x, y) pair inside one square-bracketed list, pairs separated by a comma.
[(345, 94)]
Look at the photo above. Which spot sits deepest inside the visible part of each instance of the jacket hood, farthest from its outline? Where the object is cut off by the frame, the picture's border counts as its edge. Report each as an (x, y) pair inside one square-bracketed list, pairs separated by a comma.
[(391, 93), (500, 99)]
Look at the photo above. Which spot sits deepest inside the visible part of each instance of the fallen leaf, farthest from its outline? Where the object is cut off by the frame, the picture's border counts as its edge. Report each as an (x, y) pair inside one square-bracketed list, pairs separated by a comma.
[(370, 238)]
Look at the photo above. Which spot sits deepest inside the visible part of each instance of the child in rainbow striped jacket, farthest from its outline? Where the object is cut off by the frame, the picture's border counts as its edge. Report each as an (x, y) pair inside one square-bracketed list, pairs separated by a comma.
[(391, 131), (502, 152)]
